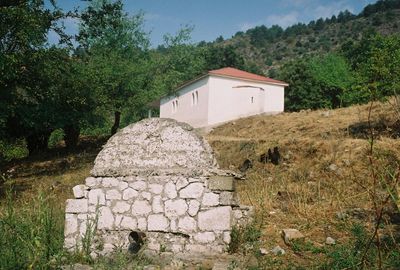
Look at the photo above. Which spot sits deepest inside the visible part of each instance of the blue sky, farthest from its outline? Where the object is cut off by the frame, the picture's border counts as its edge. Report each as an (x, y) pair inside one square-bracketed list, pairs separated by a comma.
[(212, 18)]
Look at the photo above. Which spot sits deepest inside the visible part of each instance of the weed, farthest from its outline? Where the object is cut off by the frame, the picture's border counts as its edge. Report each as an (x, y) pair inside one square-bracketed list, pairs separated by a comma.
[(245, 239), (32, 235)]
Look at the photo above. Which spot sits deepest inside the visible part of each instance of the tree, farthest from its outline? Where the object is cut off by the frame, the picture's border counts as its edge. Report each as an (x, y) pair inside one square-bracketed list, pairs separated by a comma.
[(223, 56), (376, 60), (26, 98), (117, 46), (317, 82)]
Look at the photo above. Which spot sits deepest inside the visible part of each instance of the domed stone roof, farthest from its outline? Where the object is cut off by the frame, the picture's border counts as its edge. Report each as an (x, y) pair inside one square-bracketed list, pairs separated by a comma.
[(155, 146)]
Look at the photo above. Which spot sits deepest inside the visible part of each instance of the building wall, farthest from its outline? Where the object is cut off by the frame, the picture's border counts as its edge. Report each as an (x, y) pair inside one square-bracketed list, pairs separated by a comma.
[(275, 99), (194, 114), (230, 99)]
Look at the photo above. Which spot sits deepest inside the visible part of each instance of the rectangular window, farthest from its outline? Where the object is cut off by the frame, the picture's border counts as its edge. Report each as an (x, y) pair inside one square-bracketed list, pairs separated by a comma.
[(174, 106)]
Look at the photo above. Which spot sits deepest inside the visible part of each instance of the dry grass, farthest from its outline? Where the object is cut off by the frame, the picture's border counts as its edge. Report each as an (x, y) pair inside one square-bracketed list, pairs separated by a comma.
[(303, 192), (56, 172)]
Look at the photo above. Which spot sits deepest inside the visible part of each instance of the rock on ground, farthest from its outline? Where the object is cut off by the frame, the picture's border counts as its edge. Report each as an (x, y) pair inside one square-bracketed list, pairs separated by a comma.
[(291, 234)]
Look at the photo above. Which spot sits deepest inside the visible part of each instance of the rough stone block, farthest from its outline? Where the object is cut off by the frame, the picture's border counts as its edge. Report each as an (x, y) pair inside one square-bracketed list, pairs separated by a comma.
[(157, 223), (157, 205), (210, 199), (146, 195), (204, 237), (226, 198), (221, 183), (83, 229), (170, 190), (113, 194), (175, 208), (129, 193), (71, 224), (227, 237), (118, 219), (291, 234), (122, 185), (92, 182), (216, 219), (129, 223), (140, 208), (198, 248), (79, 191), (156, 188), (77, 206), (174, 225), (121, 207), (97, 197), (194, 207), (181, 183), (138, 185), (187, 224), (192, 191), (70, 243), (142, 224), (106, 218), (110, 182)]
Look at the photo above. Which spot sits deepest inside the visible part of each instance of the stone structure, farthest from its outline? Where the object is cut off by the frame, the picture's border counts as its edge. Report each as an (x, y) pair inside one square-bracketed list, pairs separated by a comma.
[(157, 180)]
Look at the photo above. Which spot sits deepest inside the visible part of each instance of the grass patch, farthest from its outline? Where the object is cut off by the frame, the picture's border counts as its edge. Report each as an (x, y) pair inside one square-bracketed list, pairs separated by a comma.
[(31, 234)]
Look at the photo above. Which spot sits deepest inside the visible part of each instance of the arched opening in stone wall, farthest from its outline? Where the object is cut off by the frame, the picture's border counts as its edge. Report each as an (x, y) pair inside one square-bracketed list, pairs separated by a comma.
[(136, 241)]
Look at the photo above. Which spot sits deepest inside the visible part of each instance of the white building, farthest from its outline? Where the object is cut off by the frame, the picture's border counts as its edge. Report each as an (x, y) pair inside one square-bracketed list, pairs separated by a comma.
[(223, 95)]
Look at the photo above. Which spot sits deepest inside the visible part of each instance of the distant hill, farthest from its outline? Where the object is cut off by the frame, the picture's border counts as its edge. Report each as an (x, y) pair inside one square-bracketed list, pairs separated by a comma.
[(266, 48)]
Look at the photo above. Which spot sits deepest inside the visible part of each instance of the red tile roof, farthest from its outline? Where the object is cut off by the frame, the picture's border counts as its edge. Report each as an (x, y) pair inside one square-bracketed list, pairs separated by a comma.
[(236, 73)]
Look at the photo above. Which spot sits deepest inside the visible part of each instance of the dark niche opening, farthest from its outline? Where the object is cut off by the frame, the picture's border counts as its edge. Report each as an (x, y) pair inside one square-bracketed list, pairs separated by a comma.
[(136, 241)]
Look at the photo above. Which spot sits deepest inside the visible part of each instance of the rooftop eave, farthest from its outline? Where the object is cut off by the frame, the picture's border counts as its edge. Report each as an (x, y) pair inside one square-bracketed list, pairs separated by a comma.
[(249, 80)]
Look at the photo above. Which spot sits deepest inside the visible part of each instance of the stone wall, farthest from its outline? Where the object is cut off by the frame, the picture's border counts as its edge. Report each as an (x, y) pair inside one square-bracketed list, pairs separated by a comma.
[(159, 178)]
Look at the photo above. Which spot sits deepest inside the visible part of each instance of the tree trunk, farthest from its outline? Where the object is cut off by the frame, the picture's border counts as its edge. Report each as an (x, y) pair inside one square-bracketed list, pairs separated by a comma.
[(117, 119), (71, 136), (37, 142)]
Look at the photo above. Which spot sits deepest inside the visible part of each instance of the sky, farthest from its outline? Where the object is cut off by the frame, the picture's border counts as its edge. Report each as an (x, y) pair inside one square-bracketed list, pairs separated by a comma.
[(214, 18)]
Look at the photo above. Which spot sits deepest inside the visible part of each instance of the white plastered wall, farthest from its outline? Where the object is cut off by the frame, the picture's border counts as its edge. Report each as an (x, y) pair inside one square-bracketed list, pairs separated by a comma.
[(230, 99), (194, 114)]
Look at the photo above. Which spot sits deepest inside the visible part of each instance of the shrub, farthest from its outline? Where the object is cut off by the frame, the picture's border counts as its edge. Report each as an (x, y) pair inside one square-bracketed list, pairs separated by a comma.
[(244, 239)]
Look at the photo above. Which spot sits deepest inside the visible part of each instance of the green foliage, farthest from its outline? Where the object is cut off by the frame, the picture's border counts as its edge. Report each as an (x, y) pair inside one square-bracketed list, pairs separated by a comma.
[(55, 137), (348, 256), (115, 52), (31, 236), (377, 61), (244, 239), (223, 56), (10, 150), (316, 82), (380, 6)]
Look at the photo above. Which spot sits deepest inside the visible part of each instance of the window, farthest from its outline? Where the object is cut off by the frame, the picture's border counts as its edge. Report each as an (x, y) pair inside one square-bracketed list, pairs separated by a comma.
[(195, 98), (174, 106)]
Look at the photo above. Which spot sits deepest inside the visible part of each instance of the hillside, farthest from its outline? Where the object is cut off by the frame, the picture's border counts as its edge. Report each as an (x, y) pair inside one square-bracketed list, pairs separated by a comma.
[(326, 171), (268, 48), (321, 187)]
